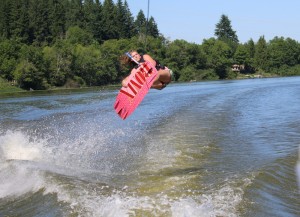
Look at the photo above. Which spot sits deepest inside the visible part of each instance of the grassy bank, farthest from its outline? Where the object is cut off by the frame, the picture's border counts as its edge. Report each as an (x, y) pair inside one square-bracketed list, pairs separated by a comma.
[(6, 87), (8, 90)]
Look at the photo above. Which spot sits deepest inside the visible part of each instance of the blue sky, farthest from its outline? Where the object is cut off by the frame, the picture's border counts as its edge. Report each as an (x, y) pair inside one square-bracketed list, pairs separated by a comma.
[(195, 20)]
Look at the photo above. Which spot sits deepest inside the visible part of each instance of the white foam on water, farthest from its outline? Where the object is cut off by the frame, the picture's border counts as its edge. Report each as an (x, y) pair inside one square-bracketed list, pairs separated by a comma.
[(86, 202), (16, 145), (222, 202), (122, 203), (17, 181), (17, 176), (89, 199)]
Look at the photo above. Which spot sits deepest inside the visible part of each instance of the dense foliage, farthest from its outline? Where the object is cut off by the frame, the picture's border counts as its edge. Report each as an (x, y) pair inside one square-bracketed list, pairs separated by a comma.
[(52, 43)]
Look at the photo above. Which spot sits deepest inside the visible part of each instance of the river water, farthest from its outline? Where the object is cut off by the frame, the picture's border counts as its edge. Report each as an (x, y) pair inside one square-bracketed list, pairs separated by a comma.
[(224, 148)]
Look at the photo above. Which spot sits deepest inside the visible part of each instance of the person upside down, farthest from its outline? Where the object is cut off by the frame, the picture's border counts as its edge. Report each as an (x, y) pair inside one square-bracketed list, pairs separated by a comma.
[(164, 75)]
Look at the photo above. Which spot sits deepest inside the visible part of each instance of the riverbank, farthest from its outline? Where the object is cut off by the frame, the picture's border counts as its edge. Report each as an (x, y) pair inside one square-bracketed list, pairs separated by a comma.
[(6, 93), (7, 87), (7, 90)]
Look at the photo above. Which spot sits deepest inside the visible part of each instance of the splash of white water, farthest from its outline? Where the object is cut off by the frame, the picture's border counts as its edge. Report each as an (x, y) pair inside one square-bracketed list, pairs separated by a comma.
[(17, 146)]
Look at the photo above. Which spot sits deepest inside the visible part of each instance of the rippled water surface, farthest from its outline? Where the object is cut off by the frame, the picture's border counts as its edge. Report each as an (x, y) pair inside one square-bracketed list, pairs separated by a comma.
[(225, 148)]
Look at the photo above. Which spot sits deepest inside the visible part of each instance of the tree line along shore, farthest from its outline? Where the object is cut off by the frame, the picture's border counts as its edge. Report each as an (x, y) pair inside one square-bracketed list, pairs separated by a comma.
[(46, 44)]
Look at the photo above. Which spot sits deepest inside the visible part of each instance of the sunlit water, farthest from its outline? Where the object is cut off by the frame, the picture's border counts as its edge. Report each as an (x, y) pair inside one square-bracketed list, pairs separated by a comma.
[(226, 148)]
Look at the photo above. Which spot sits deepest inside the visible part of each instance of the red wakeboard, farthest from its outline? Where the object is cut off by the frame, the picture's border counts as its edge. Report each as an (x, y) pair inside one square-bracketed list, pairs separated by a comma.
[(139, 82)]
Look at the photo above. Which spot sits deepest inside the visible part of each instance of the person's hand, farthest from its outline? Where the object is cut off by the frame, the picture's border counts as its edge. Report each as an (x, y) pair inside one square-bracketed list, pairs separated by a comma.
[(124, 83)]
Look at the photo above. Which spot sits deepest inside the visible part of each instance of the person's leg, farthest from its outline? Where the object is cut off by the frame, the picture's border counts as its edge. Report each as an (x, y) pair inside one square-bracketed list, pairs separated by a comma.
[(163, 78), (157, 85)]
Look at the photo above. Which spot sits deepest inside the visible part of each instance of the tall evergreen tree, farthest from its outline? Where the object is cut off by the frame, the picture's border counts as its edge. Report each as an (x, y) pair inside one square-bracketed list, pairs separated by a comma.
[(74, 14), (129, 21), (241, 56), (225, 33), (109, 15), (89, 11), (15, 18), (98, 25), (152, 29), (250, 48), (140, 23), (224, 30), (261, 54), (5, 18), (57, 16), (120, 17), (250, 45), (25, 32), (39, 21), (125, 20), (2, 18)]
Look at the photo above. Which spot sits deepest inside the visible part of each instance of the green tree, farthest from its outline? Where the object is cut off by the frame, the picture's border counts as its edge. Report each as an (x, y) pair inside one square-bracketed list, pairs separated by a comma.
[(76, 35), (261, 54), (181, 55), (218, 56), (92, 18), (121, 19), (155, 47), (250, 48), (140, 24), (5, 19), (110, 22), (109, 66), (241, 56), (152, 29), (283, 52), (39, 21), (88, 9), (58, 62), (125, 21), (292, 49), (57, 16), (177, 57), (224, 30), (97, 30), (187, 74), (128, 22), (29, 72), (20, 21), (74, 14), (86, 62), (9, 55)]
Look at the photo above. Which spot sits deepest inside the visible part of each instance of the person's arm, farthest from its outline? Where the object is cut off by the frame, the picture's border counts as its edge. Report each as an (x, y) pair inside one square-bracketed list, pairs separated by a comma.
[(149, 59), (146, 58), (124, 82)]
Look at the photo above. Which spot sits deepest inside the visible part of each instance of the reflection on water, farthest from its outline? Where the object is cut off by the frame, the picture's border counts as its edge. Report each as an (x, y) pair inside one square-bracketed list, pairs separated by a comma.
[(226, 148)]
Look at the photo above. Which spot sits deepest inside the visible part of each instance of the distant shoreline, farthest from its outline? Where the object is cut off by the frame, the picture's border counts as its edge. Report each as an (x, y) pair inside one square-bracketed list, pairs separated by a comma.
[(12, 92), (6, 93)]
